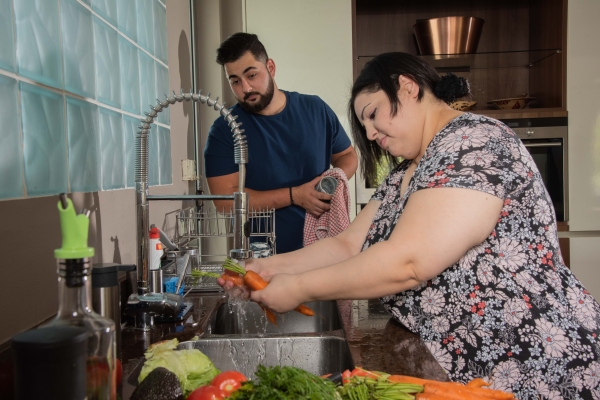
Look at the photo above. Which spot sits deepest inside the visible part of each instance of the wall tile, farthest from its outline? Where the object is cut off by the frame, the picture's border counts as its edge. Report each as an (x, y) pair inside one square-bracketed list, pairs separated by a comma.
[(147, 82), (160, 32), (108, 87), (153, 160), (112, 150), (130, 76), (11, 162), (7, 41), (162, 89), (130, 129), (78, 48), (164, 157), (145, 24), (38, 41), (44, 142), (127, 18), (82, 128), (107, 9)]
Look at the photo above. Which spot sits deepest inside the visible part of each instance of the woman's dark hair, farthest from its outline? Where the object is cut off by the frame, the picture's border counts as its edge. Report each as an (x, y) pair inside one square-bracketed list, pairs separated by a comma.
[(236, 45), (382, 73)]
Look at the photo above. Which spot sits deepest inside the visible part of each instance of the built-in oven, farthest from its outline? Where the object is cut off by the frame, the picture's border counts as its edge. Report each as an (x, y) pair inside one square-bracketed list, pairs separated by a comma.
[(546, 140)]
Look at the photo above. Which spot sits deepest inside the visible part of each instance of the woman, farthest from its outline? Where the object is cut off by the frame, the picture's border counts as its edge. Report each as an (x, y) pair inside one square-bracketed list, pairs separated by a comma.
[(459, 242)]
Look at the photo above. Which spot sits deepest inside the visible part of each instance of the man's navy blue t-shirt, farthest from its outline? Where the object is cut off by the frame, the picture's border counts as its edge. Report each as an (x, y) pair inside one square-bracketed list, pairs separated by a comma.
[(284, 150)]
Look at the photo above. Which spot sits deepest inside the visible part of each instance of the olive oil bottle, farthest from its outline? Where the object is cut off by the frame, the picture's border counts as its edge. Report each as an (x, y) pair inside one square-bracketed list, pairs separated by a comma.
[(75, 302)]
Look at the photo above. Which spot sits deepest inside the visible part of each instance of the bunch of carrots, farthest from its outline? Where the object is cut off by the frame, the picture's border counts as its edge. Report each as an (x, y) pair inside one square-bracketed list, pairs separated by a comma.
[(236, 274), (437, 390)]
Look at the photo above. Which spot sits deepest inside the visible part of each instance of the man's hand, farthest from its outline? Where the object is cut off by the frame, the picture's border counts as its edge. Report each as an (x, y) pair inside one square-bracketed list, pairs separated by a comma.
[(309, 198)]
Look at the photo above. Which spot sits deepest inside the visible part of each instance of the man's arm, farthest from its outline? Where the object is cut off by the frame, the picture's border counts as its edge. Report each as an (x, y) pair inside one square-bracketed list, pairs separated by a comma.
[(304, 195), (347, 160)]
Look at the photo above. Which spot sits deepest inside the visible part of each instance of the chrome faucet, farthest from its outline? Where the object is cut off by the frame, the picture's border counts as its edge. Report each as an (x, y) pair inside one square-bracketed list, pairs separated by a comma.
[(145, 304)]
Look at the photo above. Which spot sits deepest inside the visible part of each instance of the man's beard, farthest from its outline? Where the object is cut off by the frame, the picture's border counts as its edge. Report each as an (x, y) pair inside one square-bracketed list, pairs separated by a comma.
[(263, 101)]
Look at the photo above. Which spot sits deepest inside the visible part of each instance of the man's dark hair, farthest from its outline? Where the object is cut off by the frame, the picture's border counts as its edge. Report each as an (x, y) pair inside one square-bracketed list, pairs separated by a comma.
[(236, 45)]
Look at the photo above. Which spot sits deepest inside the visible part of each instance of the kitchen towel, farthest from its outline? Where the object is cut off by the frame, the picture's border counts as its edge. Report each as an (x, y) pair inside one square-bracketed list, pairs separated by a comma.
[(334, 221)]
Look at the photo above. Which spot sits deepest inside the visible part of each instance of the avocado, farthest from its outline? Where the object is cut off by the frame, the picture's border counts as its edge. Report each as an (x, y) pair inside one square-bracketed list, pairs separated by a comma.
[(160, 384)]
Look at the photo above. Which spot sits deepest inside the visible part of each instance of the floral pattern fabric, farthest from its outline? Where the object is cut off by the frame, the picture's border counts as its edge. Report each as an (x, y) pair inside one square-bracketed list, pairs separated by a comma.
[(509, 310)]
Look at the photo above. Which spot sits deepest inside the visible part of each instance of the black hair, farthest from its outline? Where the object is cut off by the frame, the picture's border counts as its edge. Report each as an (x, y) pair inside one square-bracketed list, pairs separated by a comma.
[(382, 73), (236, 45)]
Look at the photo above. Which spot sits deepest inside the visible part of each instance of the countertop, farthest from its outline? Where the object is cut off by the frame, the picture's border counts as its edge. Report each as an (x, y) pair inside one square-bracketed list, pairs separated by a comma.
[(376, 341)]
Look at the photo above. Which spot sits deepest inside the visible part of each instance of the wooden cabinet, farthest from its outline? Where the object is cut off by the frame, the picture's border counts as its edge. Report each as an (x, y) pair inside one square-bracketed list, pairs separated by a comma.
[(522, 47)]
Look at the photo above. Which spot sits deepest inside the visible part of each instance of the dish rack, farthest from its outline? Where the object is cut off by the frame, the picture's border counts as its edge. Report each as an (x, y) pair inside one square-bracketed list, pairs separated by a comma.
[(208, 231)]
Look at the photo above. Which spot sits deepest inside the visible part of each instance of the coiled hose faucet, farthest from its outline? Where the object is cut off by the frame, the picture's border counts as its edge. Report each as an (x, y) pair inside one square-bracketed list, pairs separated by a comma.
[(144, 305)]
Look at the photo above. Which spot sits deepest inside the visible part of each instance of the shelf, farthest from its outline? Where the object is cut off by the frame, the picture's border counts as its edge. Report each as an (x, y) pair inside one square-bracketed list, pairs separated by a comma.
[(523, 113), (490, 60)]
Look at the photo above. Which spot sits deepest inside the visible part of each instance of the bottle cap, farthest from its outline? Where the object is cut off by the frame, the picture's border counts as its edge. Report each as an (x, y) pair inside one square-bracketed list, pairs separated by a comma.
[(154, 233), (74, 230)]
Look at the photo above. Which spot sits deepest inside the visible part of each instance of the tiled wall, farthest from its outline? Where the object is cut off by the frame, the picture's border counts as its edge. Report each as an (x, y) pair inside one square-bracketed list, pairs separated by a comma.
[(76, 77)]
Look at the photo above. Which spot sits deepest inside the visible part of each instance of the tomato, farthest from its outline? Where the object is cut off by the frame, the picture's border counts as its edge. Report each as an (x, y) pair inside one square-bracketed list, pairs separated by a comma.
[(98, 374), (229, 381), (207, 393), (358, 371), (346, 376), (119, 372)]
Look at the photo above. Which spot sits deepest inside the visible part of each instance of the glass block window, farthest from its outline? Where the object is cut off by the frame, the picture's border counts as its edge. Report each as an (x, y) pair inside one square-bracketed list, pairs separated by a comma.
[(77, 77)]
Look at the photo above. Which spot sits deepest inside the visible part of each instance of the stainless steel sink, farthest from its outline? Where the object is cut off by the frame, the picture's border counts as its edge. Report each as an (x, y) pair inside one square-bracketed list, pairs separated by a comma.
[(249, 319), (316, 354)]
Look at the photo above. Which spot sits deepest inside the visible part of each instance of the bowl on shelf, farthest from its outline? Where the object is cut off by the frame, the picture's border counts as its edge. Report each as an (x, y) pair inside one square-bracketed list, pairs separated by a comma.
[(462, 105), (513, 103), (448, 35)]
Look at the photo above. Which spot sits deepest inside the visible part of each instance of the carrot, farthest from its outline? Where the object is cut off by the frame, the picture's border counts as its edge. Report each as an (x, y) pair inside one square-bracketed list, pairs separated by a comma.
[(270, 314), (256, 282), (442, 388), (425, 396), (302, 309), (235, 279), (477, 382)]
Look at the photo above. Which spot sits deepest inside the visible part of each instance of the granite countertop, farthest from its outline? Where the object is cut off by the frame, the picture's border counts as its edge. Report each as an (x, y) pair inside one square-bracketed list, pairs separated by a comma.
[(376, 341)]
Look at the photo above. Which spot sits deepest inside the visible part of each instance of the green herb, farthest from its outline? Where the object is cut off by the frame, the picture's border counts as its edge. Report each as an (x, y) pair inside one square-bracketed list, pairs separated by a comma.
[(200, 274), (233, 266), (365, 388), (283, 383)]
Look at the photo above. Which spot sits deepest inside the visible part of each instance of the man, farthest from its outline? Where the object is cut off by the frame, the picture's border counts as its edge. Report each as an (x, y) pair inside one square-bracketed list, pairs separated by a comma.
[(292, 140)]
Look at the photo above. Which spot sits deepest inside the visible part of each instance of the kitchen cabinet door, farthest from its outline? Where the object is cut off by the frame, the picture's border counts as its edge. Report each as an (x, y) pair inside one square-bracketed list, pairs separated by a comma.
[(583, 103), (585, 262)]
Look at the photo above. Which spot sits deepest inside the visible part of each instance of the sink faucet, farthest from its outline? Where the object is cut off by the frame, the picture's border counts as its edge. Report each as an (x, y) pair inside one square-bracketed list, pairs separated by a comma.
[(145, 304)]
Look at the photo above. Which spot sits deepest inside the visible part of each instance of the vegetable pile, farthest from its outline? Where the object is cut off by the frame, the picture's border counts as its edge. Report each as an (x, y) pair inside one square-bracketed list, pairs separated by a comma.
[(282, 383), (361, 384)]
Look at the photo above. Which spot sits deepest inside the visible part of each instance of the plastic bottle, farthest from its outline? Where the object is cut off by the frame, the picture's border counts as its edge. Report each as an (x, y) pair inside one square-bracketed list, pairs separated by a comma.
[(156, 249), (75, 303)]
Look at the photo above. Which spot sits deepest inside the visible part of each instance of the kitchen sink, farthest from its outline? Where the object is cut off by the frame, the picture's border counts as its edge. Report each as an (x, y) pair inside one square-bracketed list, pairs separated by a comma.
[(316, 354), (248, 318)]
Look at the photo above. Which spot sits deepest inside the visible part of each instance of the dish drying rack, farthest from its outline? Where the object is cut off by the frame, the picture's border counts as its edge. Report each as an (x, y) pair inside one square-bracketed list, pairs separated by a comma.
[(207, 230)]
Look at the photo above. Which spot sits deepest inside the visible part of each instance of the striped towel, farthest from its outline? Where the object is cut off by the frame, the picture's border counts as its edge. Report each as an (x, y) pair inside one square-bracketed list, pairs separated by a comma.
[(334, 221)]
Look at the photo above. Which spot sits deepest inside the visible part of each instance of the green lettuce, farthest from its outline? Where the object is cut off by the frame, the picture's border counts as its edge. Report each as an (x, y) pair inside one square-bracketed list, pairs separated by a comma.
[(192, 367)]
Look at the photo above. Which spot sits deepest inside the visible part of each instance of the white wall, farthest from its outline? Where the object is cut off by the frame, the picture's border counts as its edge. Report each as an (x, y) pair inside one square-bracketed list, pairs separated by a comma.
[(583, 105)]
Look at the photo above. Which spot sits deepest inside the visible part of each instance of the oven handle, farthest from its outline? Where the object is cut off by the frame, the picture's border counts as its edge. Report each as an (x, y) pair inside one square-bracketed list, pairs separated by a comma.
[(543, 144)]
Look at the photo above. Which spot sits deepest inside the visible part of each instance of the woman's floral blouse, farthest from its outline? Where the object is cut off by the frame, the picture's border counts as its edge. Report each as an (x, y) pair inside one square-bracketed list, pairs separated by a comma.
[(509, 310)]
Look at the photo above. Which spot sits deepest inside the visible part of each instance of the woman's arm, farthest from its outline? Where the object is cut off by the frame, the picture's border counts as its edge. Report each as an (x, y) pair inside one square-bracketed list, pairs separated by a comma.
[(321, 253), (438, 226)]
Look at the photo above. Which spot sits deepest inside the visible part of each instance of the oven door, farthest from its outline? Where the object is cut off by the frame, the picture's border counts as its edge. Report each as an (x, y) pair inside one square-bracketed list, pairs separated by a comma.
[(548, 148)]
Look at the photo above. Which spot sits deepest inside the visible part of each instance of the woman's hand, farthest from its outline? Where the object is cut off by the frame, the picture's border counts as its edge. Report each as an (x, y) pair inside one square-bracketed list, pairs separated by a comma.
[(282, 294), (257, 265)]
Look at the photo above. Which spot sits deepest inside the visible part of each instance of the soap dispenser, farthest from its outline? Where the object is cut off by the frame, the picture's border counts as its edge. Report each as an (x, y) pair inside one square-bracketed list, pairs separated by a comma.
[(75, 303)]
